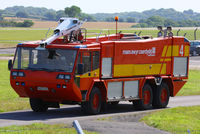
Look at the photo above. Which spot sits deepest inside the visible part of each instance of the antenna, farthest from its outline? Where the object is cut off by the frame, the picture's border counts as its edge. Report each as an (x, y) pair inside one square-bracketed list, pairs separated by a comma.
[(195, 34), (178, 32)]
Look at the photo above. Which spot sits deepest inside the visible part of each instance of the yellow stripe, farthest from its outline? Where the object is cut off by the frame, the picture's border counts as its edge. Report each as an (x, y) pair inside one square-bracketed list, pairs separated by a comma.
[(176, 50), (187, 50), (164, 51), (138, 69), (167, 59), (94, 73), (169, 51)]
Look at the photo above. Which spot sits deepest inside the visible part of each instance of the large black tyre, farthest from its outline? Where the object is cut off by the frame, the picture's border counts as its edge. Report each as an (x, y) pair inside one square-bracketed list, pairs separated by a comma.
[(161, 96), (37, 105), (93, 106), (147, 98)]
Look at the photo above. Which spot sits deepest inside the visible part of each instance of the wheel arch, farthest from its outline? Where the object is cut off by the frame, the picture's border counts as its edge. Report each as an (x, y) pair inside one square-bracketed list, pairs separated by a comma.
[(101, 86)]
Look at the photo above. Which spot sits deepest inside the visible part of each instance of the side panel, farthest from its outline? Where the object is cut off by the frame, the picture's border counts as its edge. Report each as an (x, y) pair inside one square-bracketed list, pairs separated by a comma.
[(106, 67), (131, 89), (141, 58), (115, 90), (106, 60), (180, 66), (123, 89)]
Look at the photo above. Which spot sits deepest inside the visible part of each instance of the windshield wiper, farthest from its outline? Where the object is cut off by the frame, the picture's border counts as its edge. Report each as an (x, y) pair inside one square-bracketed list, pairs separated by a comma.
[(45, 69), (59, 70), (31, 68)]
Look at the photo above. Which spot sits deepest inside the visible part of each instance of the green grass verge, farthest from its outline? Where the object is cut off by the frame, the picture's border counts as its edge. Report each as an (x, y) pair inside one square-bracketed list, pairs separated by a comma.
[(6, 55), (176, 120), (192, 87), (9, 37), (9, 100), (40, 128)]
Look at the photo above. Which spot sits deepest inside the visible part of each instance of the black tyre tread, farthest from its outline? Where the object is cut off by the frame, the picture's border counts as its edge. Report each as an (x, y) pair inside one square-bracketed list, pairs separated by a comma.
[(139, 104), (87, 106), (114, 103), (157, 93), (37, 105)]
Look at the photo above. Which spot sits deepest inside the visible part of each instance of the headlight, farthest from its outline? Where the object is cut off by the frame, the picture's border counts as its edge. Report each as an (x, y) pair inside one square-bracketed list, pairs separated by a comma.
[(68, 77), (21, 74), (14, 73), (62, 76)]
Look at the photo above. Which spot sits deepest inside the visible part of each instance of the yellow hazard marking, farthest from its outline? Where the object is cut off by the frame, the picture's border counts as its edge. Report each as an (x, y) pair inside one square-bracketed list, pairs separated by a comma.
[(164, 60), (94, 73), (167, 51), (138, 69), (176, 50), (164, 51), (187, 51)]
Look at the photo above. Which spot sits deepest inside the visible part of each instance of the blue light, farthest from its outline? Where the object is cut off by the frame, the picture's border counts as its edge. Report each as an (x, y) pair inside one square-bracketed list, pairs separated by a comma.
[(81, 46), (23, 84), (58, 85), (20, 43)]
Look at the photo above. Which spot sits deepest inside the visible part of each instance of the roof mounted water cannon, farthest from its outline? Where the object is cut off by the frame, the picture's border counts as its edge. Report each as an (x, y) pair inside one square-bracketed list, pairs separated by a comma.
[(66, 26)]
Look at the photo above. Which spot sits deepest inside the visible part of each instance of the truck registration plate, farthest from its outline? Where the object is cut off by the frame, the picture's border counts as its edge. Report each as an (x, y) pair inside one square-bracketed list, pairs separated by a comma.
[(42, 88)]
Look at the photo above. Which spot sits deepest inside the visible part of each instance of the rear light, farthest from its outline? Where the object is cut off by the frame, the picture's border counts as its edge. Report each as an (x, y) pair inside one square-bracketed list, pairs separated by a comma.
[(20, 74), (62, 76)]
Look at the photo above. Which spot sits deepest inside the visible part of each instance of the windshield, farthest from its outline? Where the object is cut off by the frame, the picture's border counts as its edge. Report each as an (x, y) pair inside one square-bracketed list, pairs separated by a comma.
[(49, 59)]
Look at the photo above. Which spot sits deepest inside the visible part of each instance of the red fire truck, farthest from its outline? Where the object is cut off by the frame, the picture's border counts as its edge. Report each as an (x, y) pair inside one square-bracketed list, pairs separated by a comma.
[(93, 72)]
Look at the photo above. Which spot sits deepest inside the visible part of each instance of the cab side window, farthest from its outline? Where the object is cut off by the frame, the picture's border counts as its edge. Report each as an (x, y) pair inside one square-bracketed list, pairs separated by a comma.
[(95, 58), (86, 60)]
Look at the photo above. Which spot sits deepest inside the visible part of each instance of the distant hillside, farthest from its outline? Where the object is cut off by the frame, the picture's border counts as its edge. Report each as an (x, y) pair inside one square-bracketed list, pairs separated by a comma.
[(166, 13), (50, 14)]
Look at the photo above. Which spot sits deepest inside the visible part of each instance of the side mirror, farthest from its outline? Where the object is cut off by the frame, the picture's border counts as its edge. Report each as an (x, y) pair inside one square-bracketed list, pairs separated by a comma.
[(10, 64), (80, 68)]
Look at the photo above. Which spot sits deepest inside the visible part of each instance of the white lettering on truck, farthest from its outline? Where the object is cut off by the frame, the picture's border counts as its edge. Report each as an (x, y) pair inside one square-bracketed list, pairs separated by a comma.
[(148, 52)]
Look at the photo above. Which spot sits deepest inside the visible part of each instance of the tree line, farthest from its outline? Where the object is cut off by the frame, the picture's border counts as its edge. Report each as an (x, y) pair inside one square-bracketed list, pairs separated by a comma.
[(149, 18), (155, 21)]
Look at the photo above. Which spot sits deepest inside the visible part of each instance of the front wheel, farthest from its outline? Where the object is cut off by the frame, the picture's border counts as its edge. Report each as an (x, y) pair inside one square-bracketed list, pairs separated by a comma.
[(37, 105), (161, 96), (147, 97), (93, 106)]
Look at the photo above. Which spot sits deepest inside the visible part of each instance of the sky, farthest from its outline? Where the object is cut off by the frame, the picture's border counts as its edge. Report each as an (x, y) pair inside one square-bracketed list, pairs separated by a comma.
[(107, 6)]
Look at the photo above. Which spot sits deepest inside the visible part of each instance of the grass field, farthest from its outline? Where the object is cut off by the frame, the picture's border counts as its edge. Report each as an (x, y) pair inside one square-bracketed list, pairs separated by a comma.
[(9, 100), (9, 37), (192, 87), (176, 120), (40, 128)]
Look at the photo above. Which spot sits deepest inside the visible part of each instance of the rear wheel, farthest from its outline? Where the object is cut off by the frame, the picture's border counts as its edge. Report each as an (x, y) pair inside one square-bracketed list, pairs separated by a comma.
[(147, 98), (161, 96), (93, 106), (37, 105)]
